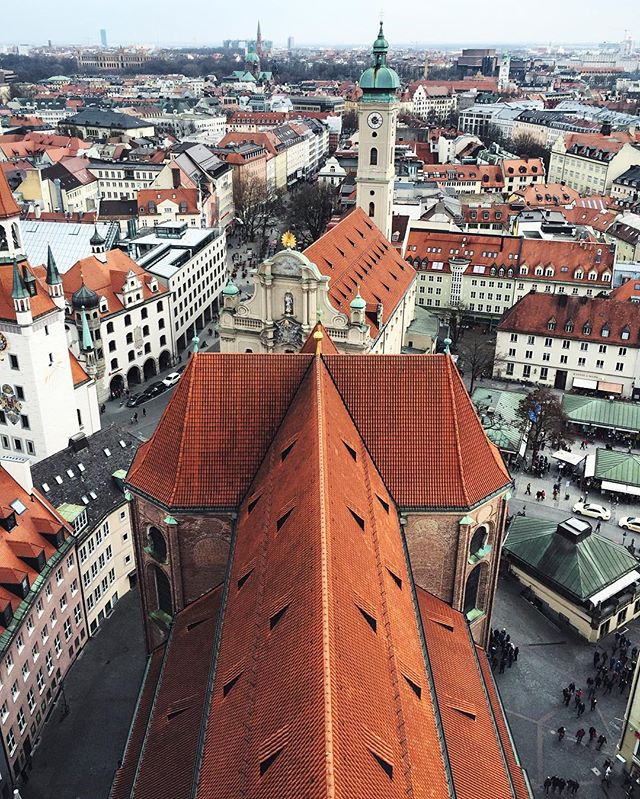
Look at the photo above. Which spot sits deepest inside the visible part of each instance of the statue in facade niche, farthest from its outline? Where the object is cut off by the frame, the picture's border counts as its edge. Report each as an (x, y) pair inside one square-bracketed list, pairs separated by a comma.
[(288, 304)]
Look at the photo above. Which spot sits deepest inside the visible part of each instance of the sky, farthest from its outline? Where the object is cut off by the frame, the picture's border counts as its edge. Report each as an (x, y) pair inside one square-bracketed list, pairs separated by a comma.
[(207, 22)]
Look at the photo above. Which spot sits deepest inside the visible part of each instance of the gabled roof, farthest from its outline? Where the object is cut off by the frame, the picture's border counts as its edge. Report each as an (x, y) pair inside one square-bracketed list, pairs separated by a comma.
[(209, 444), (355, 254), (8, 206), (601, 412), (580, 568), (617, 467)]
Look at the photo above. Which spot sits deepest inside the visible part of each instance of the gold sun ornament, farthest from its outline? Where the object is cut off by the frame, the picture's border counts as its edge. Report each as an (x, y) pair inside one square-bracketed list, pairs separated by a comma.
[(288, 240)]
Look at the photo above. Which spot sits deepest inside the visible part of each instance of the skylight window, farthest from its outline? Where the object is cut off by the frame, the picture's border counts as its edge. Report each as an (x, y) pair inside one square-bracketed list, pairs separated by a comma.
[(58, 479), (417, 690), (273, 621), (351, 451), (397, 580), (242, 580), (371, 621), (123, 444), (85, 499), (283, 519), (93, 495), (70, 473), (18, 506), (286, 451), (81, 467), (229, 685), (359, 519), (253, 503), (45, 488), (107, 451)]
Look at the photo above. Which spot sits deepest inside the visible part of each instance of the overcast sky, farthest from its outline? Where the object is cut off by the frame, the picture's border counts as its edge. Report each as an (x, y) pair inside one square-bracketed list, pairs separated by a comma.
[(207, 22)]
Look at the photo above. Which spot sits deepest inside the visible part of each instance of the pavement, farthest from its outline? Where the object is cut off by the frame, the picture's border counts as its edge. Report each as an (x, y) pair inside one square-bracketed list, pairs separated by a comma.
[(549, 659), (78, 752)]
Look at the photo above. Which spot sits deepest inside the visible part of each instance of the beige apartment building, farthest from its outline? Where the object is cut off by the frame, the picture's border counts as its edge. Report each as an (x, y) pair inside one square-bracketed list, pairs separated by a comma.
[(42, 619), (589, 163), (85, 482)]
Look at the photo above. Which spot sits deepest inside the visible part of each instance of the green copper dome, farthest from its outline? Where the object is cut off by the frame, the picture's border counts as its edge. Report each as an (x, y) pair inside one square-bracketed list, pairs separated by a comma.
[(357, 303), (379, 78), (230, 290)]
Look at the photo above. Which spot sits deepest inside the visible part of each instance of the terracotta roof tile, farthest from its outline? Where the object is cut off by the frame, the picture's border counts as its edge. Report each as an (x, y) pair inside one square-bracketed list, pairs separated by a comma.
[(355, 254), (78, 374), (40, 304)]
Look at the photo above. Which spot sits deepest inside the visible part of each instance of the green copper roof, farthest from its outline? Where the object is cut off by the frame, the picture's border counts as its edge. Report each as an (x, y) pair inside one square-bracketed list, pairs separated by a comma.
[(502, 426), (357, 303), (69, 511), (379, 79), (602, 413), (230, 290), (87, 341), (19, 290), (617, 467), (53, 276), (581, 567)]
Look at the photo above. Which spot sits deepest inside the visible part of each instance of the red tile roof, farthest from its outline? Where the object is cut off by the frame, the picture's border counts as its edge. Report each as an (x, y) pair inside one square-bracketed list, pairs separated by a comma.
[(40, 304), (8, 206), (208, 444), (322, 600), (319, 682), (355, 254), (175, 196), (548, 194), (470, 722), (534, 311), (489, 176)]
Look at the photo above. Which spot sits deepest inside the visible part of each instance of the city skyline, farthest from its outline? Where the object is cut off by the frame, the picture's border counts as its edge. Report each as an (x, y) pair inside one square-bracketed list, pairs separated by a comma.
[(504, 24)]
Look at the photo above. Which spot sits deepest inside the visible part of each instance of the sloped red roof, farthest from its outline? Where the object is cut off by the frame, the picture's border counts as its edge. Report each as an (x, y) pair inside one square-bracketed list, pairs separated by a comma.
[(40, 304), (227, 407), (470, 722), (8, 206), (355, 254), (315, 344), (317, 634)]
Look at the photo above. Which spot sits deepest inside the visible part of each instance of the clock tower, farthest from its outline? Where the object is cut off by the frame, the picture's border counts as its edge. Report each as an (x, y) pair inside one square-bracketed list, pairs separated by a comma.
[(377, 119)]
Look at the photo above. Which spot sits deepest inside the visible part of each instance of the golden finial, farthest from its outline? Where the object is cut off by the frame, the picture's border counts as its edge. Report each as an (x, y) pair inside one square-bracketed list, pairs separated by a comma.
[(288, 240), (318, 336)]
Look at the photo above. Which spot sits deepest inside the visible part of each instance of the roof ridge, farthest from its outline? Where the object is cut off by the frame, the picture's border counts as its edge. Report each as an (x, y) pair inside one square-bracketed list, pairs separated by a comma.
[(318, 366), (456, 429)]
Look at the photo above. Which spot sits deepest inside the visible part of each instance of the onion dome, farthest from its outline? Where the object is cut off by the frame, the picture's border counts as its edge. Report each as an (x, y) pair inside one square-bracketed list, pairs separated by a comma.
[(379, 78), (96, 240), (357, 303), (230, 290), (85, 297)]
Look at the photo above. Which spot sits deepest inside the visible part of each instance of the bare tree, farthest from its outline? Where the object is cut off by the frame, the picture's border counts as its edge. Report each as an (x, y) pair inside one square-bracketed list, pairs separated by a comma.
[(477, 357), (542, 415), (249, 197), (456, 323), (310, 210)]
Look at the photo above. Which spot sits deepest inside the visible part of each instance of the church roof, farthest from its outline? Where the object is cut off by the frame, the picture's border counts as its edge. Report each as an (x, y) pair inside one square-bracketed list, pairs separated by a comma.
[(227, 408), (317, 679), (8, 205), (355, 255)]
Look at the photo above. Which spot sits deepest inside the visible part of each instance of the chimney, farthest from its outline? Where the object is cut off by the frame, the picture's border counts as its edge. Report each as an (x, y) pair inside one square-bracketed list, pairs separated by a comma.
[(18, 467), (605, 130), (37, 211)]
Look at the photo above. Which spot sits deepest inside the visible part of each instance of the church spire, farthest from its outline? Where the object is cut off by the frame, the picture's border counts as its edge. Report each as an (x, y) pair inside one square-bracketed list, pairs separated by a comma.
[(19, 290), (87, 341), (53, 276)]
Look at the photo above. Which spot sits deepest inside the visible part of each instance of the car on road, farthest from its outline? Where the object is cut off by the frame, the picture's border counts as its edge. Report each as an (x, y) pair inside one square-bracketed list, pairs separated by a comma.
[(592, 509), (171, 379), (630, 523), (137, 399), (154, 389)]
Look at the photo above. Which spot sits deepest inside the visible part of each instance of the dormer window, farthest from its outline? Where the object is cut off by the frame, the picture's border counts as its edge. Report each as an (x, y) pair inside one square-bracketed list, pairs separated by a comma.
[(523, 270), (593, 275), (586, 328), (605, 331), (625, 333), (548, 271), (568, 327), (578, 274), (104, 305), (538, 271), (551, 324), (606, 277)]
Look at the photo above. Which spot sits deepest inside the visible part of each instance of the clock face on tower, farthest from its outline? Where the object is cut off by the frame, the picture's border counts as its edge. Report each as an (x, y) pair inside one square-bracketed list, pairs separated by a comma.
[(374, 120)]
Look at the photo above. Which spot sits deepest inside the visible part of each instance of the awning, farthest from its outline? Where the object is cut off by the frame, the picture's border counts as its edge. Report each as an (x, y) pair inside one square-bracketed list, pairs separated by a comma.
[(590, 465), (621, 488), (580, 382), (614, 588), (609, 388), (574, 458)]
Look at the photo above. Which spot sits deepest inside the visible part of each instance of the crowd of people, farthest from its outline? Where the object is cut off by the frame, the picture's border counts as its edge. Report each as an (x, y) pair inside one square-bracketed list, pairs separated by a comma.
[(559, 784), (502, 651)]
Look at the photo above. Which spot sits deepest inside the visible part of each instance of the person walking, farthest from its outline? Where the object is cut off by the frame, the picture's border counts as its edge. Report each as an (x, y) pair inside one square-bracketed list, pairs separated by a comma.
[(602, 739), (592, 733), (547, 785), (596, 659), (562, 731), (581, 708), (566, 696), (598, 527), (561, 783), (580, 735), (528, 491), (594, 702), (144, 411), (516, 652)]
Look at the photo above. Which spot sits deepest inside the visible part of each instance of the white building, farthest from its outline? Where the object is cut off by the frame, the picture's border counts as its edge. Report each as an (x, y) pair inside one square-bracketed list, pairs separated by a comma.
[(434, 102), (85, 483), (121, 180), (572, 343), (332, 173), (191, 265), (47, 398), (119, 319)]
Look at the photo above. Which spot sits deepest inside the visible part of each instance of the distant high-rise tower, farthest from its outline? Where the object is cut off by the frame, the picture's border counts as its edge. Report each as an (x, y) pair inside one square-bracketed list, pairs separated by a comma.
[(103, 37), (259, 42), (290, 43)]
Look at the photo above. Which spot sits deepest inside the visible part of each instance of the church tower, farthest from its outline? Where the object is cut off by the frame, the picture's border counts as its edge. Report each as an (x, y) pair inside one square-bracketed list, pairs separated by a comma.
[(377, 119)]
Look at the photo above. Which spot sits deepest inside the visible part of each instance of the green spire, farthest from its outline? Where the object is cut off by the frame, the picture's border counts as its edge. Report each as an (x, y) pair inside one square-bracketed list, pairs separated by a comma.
[(53, 276), (87, 341), (19, 290)]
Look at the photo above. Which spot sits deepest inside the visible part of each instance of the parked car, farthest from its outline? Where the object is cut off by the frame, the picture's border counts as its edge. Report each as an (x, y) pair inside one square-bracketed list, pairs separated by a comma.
[(630, 523), (171, 379), (154, 389), (591, 509)]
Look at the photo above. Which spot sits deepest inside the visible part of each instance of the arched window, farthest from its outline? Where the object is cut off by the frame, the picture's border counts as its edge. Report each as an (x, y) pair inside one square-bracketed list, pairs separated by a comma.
[(373, 156), (114, 363), (372, 209), (163, 591), (16, 236), (3, 239), (109, 327), (471, 590), (157, 544), (478, 540)]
